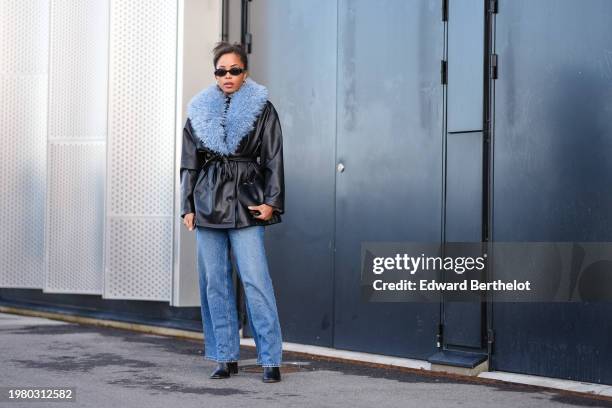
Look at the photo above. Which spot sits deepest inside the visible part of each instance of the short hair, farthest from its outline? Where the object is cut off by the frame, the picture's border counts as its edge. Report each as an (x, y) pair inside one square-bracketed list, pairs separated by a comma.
[(224, 47)]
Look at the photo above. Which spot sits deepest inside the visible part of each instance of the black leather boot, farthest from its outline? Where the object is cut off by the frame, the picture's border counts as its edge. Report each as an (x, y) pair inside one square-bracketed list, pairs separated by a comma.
[(224, 370), (271, 374)]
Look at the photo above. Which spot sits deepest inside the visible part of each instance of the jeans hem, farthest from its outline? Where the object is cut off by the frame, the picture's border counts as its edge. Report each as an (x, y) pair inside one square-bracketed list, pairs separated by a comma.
[(222, 360), (267, 364)]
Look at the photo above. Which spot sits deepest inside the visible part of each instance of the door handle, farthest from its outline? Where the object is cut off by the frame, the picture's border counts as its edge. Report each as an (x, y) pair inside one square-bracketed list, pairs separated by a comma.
[(340, 167)]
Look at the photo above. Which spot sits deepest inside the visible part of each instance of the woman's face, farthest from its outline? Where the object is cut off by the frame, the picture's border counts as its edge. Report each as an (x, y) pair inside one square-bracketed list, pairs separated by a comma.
[(229, 83)]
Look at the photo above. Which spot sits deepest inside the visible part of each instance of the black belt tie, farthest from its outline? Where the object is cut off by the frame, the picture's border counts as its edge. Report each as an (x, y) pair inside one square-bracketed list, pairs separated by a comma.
[(226, 172)]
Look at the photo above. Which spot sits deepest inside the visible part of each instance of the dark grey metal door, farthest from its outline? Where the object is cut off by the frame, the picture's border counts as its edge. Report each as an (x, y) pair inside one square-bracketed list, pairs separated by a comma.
[(389, 144), (553, 173), (465, 166), (294, 55)]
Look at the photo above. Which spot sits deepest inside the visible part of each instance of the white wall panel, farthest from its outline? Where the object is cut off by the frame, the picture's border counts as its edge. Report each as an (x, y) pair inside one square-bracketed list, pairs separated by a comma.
[(75, 223), (24, 27), (24, 36), (140, 258), (78, 82), (140, 158), (78, 69)]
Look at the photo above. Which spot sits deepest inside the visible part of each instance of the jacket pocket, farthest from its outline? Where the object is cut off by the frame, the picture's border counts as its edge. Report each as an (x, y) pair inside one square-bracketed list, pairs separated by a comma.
[(251, 191)]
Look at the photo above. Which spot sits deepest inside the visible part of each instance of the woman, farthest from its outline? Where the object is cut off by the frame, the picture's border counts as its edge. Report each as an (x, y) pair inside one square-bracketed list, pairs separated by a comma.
[(232, 186)]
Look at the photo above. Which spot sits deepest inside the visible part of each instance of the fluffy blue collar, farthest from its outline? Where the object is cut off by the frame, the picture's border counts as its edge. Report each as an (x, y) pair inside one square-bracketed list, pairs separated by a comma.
[(206, 113)]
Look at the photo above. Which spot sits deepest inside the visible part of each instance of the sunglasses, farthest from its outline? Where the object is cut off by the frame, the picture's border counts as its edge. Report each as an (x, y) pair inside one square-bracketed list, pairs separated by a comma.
[(234, 71)]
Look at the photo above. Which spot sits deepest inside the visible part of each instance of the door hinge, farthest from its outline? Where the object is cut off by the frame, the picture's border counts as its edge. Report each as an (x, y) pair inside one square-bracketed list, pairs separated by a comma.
[(444, 72), (439, 336), (490, 337), (444, 10), (493, 6), (248, 41), (494, 66)]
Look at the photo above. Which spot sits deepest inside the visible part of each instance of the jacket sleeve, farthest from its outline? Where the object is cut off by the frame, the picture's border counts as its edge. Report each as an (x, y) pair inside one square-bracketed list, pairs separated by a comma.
[(189, 170), (272, 161)]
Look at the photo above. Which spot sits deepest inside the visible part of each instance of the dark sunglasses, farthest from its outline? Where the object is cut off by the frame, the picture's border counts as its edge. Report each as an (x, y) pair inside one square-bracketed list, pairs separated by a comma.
[(234, 71)]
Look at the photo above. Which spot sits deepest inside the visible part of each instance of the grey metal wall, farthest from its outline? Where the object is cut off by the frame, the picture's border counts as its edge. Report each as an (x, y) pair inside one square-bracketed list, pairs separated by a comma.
[(552, 173), (385, 125)]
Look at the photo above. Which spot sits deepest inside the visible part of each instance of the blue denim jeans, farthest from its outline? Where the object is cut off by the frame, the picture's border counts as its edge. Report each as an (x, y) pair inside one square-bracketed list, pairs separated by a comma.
[(219, 313)]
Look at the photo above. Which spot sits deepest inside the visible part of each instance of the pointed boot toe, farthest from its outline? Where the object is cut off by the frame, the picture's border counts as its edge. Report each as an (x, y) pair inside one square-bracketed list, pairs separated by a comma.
[(221, 371), (271, 374)]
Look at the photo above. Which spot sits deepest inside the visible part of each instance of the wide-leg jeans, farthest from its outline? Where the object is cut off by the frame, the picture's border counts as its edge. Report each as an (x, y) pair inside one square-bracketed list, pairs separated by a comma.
[(219, 314)]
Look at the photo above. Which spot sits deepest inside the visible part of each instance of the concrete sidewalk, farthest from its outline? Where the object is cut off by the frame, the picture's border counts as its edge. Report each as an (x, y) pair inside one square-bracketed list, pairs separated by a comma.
[(119, 368)]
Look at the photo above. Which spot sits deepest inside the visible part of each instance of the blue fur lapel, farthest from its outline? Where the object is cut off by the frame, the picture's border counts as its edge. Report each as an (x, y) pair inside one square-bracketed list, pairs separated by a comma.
[(205, 111)]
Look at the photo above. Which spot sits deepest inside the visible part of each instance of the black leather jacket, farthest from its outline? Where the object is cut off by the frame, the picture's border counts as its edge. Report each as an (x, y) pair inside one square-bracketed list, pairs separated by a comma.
[(218, 188)]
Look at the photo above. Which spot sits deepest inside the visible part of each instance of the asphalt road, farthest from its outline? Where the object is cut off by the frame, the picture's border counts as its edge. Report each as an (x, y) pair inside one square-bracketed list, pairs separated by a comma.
[(117, 368)]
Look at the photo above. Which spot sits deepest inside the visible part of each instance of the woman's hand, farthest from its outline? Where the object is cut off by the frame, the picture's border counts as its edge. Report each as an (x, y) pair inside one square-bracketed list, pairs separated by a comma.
[(189, 221), (265, 211)]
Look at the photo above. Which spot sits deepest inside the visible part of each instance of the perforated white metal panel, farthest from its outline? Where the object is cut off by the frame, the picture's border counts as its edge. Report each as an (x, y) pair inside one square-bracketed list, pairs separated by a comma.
[(78, 81), (139, 258), (24, 35), (75, 223), (23, 119), (140, 159), (78, 69)]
